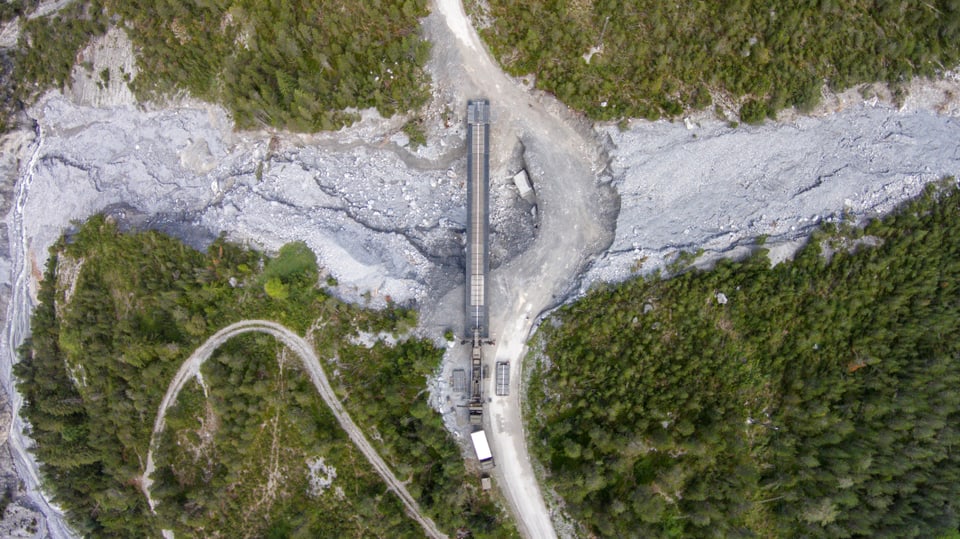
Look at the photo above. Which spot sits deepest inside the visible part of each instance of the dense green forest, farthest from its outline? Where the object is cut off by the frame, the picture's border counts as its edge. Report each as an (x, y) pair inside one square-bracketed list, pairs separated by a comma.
[(816, 398), (658, 58), (289, 63), (253, 451)]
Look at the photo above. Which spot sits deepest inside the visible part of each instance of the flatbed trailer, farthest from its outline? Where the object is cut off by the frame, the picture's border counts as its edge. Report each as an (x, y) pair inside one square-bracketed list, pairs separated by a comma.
[(503, 378), (475, 406)]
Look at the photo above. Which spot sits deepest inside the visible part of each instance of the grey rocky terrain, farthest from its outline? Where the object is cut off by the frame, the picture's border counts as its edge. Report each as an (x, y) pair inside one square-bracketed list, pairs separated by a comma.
[(387, 221), (710, 186)]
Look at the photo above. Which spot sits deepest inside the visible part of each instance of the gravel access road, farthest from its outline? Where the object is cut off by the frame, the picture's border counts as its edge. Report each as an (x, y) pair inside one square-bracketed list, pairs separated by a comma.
[(576, 218), (304, 350)]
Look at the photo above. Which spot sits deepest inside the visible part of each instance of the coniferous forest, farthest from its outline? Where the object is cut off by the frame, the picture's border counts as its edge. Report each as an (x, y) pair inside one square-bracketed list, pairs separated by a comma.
[(291, 64), (249, 450), (816, 398), (648, 58)]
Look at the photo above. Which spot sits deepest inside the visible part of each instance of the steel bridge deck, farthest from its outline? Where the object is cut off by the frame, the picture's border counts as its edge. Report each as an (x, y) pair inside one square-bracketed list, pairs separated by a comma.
[(478, 205)]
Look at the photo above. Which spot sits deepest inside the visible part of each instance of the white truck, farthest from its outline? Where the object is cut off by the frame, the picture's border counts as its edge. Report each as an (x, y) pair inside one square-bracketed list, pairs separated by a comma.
[(482, 449)]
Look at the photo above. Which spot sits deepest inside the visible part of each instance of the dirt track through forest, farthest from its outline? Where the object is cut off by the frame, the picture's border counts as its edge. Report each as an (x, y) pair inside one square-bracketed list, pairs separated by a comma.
[(304, 350), (576, 222)]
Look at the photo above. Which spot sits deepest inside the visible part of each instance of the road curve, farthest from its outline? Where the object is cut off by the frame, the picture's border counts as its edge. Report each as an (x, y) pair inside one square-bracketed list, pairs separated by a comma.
[(564, 160), (303, 349)]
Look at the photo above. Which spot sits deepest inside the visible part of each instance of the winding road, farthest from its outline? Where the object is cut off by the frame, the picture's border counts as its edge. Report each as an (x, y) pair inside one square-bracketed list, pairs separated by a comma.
[(564, 163), (576, 218), (576, 223), (304, 350)]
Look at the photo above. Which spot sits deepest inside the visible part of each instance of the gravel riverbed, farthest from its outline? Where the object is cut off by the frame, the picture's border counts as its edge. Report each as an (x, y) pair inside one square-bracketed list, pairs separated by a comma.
[(388, 222), (706, 185)]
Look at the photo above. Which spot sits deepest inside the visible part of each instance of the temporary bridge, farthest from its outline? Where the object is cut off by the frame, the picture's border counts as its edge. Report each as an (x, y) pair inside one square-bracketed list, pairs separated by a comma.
[(478, 205)]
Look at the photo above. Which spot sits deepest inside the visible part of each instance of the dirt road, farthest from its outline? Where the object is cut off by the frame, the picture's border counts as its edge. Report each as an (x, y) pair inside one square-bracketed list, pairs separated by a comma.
[(576, 223), (304, 350)]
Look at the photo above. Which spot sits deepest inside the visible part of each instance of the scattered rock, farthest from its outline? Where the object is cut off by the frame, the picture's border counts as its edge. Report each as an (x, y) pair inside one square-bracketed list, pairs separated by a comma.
[(321, 477), (6, 417), (728, 186), (103, 72)]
